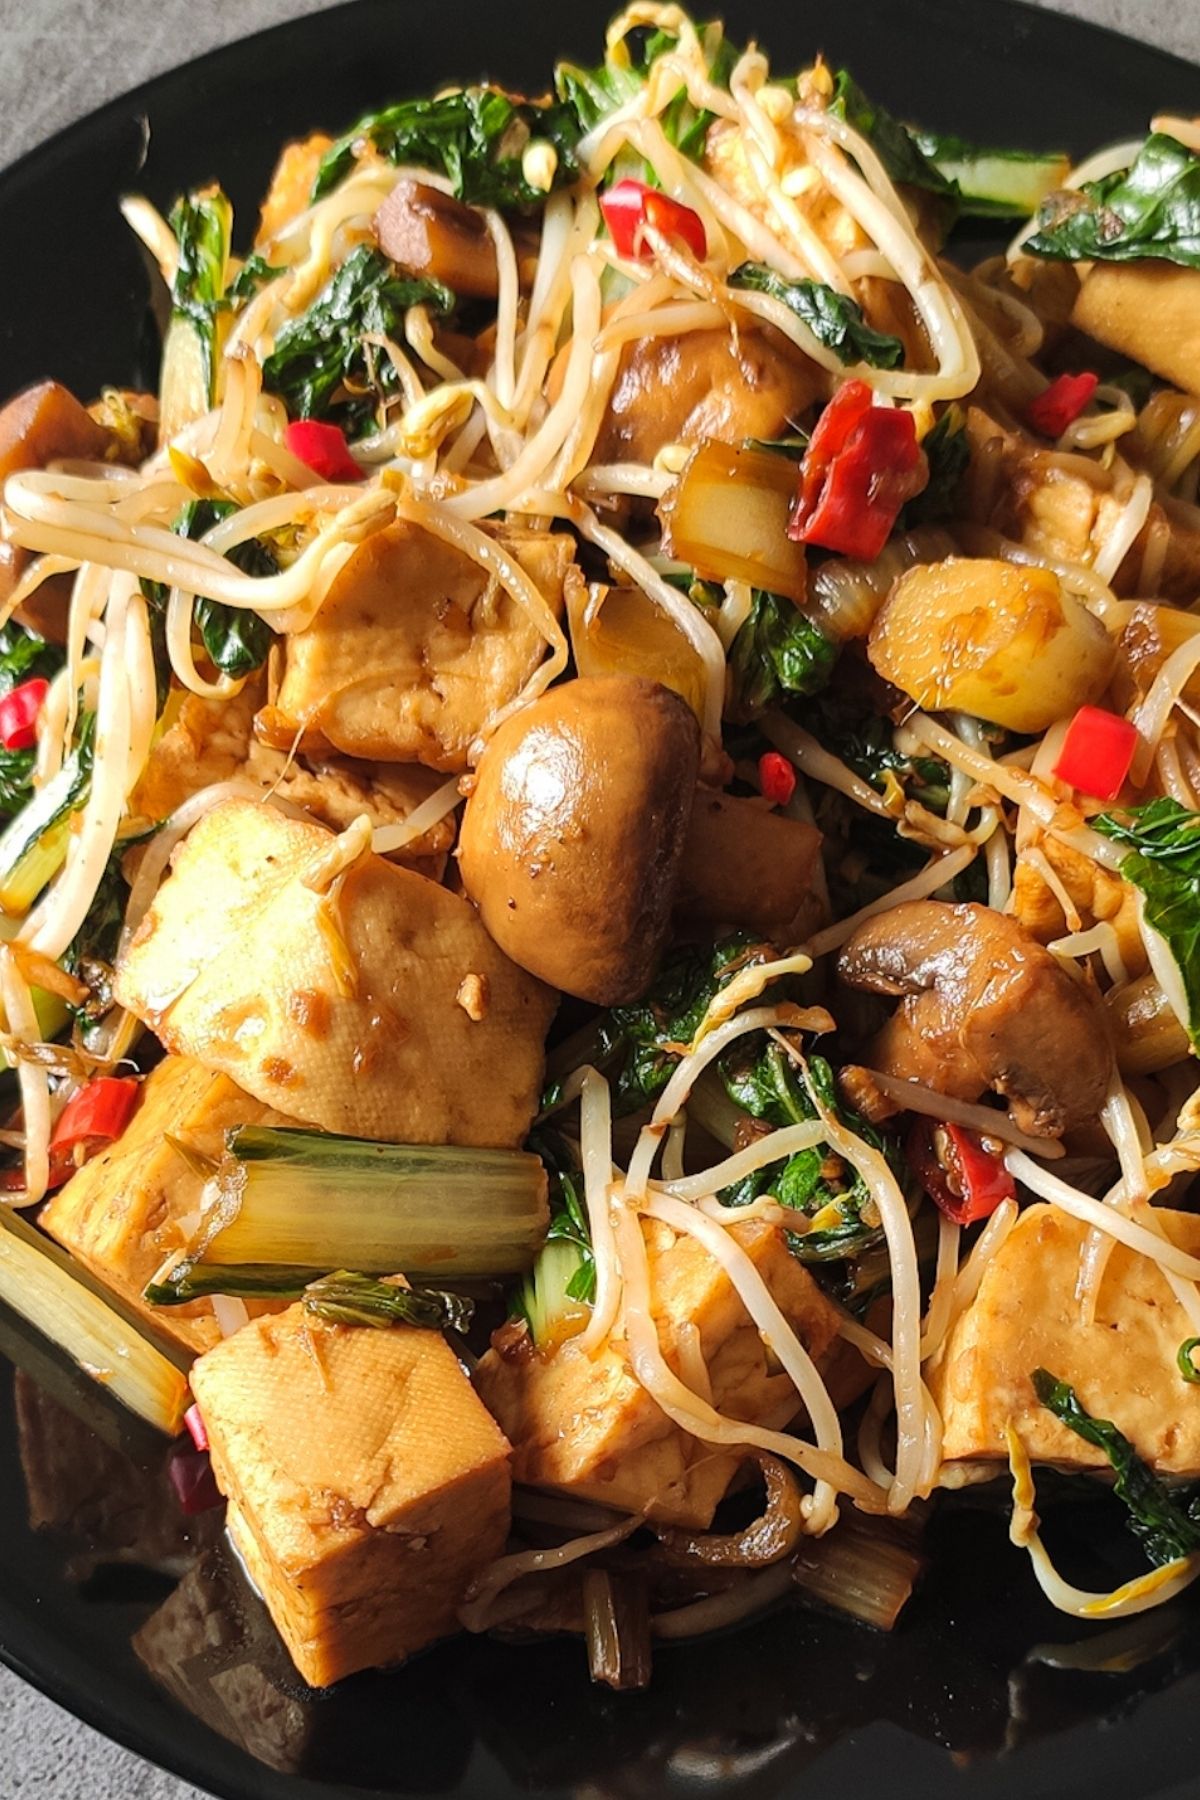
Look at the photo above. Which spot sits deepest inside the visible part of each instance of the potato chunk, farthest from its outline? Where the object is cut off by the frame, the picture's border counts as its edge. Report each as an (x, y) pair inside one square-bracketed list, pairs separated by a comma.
[(414, 650), (1148, 311), (366, 1483), (584, 1425), (339, 1008), (996, 639), (1122, 1366), (123, 1213)]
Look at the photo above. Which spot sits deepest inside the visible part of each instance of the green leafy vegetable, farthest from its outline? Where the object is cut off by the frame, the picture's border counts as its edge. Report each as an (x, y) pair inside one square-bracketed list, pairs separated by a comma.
[(93, 950), (344, 1298), (947, 452), (202, 223), (649, 1035), (865, 741), (994, 184), (254, 273), (320, 365), (477, 137), (779, 651), (834, 320), (236, 639), (1186, 1360), (24, 655), (1164, 864), (592, 94), (1150, 209), (765, 1083), (562, 1281), (1166, 1528), (898, 149), (34, 843)]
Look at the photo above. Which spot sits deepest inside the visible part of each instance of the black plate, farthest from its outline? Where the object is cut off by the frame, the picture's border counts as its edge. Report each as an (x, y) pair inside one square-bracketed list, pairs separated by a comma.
[(138, 1620)]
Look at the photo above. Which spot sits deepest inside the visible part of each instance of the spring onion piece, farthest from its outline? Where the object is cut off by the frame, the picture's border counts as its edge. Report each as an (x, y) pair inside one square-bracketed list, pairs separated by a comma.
[(1186, 1361), (344, 1298), (617, 1616), (321, 1202), (34, 843), (44, 1285), (862, 1567)]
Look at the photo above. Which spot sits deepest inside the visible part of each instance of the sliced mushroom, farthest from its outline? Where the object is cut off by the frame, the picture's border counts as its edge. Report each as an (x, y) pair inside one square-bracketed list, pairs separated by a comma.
[(38, 426), (984, 1006), (431, 233), (572, 839)]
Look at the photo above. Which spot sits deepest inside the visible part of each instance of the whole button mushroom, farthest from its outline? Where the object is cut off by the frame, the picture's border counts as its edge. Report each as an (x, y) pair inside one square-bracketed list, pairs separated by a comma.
[(572, 839)]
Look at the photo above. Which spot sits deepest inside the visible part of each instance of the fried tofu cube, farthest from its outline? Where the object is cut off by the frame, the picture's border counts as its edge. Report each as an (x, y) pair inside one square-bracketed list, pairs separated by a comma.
[(1122, 1365), (1056, 506), (414, 649), (206, 741), (1148, 311), (585, 1426), (125, 1211), (291, 185), (367, 1484), (340, 1008)]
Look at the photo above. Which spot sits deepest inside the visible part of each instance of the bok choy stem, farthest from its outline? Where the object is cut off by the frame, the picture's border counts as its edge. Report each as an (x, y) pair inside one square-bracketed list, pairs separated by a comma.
[(317, 1202)]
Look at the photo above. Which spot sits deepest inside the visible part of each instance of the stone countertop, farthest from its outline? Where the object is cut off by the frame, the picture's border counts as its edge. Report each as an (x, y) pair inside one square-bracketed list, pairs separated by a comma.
[(43, 1751)]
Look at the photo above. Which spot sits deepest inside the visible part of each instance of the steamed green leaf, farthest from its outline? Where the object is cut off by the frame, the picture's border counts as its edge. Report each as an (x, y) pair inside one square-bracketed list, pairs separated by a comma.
[(779, 651), (320, 365), (1167, 1524), (834, 319), (1151, 209), (476, 136), (1164, 865)]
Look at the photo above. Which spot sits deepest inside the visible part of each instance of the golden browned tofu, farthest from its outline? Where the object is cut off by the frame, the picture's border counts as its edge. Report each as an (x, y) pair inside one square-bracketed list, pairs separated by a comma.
[(1050, 504), (414, 649), (379, 1009), (746, 865), (1148, 311), (679, 390), (1122, 1366), (291, 184), (213, 740), (584, 1425), (128, 1209), (367, 1484)]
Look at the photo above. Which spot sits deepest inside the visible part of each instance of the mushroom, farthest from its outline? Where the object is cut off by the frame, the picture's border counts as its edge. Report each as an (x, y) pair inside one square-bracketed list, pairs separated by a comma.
[(431, 233), (573, 836), (985, 1006)]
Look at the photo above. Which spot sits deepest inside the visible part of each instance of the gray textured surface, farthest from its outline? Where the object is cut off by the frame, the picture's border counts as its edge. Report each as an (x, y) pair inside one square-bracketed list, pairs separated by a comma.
[(58, 59)]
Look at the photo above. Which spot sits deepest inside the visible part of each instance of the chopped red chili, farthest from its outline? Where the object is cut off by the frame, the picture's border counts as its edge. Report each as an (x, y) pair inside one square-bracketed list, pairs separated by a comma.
[(630, 206), (957, 1169), (862, 464), (776, 778), (19, 711), (92, 1118), (323, 448), (1060, 404), (1097, 752)]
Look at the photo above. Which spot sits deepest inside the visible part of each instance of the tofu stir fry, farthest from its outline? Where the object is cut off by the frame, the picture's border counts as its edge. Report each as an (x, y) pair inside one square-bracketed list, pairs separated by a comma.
[(600, 855)]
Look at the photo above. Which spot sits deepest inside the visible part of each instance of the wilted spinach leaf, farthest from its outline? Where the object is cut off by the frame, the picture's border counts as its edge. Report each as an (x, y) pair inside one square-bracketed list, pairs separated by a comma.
[(1151, 209), (834, 320)]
